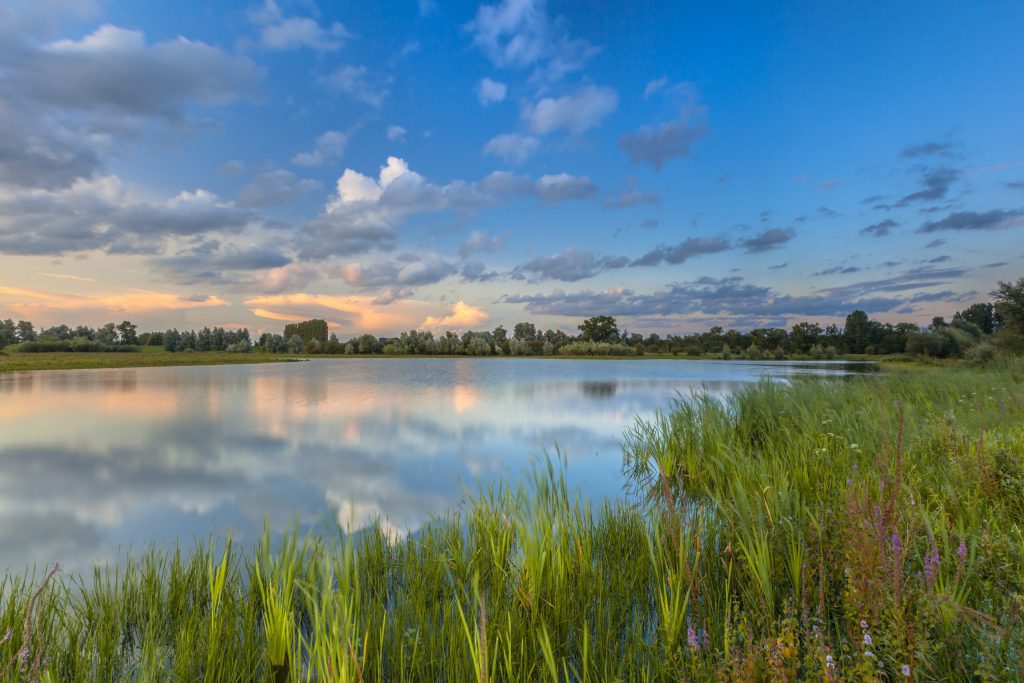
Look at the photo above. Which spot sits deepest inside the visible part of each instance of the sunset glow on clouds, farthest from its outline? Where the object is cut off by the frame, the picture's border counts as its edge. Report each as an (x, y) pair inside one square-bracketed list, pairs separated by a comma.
[(257, 162)]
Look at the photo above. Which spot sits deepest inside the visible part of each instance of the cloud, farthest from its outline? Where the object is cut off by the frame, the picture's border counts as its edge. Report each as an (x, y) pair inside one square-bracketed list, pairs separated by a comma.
[(396, 133), (64, 100), (569, 266), (730, 299), (916, 278), (519, 34), (278, 32), (365, 212), (685, 250), (658, 144), (514, 148), (48, 307), (408, 270), (654, 86), (355, 313), (563, 186), (233, 167), (208, 262), (631, 197), (936, 182), (330, 146), (274, 187), (837, 270), (575, 113), (935, 243), (462, 317), (768, 240), (880, 229), (101, 214), (996, 219), (1017, 185), (478, 242), (476, 271), (491, 92), (21, 18), (924, 149), (113, 70), (355, 81), (292, 276)]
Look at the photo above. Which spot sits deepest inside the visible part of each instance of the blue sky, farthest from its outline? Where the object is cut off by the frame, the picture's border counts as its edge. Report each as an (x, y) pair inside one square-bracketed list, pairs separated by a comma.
[(456, 165)]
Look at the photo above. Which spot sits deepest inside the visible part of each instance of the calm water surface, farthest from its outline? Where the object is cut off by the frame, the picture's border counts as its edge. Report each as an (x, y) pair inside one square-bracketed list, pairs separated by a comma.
[(94, 462)]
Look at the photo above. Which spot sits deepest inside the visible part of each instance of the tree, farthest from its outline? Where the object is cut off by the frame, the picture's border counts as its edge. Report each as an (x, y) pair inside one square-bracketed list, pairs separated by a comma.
[(804, 336), (107, 335), (982, 315), (1009, 304), (601, 328), (308, 329), (127, 333), (8, 332), (524, 332), (858, 331), (26, 332), (295, 344)]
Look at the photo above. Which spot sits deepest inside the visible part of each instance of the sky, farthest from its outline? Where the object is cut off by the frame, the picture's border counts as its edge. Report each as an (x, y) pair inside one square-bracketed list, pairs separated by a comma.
[(460, 165)]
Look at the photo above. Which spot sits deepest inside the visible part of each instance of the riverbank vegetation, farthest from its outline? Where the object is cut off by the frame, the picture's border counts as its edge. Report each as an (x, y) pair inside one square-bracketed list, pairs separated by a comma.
[(977, 332), (865, 528)]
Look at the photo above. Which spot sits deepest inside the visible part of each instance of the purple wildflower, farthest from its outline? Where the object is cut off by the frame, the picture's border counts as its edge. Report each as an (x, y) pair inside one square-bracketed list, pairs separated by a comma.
[(691, 638), (961, 552), (897, 546), (931, 564), (905, 670), (7, 636)]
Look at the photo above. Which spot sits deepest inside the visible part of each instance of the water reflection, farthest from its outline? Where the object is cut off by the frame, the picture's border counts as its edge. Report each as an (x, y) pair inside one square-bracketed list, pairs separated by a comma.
[(97, 460)]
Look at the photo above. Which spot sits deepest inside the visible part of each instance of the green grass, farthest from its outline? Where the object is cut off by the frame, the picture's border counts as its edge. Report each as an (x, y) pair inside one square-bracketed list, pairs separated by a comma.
[(781, 534), (149, 356)]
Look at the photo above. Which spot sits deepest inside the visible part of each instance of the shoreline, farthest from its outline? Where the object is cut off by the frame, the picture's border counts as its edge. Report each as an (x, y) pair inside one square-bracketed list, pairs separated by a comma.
[(36, 362)]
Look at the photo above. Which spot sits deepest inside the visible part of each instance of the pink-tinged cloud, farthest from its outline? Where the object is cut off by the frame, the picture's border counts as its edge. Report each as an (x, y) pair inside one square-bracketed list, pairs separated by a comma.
[(51, 308), (462, 317), (351, 314)]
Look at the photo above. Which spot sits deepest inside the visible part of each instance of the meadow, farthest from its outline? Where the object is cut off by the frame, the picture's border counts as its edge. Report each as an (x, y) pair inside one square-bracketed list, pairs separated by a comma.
[(863, 528)]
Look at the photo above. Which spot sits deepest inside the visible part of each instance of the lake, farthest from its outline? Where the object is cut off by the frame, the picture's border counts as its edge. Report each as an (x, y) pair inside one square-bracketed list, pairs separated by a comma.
[(96, 462)]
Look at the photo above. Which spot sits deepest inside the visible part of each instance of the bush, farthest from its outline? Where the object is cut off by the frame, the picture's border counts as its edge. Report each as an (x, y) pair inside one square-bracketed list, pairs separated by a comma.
[(980, 354)]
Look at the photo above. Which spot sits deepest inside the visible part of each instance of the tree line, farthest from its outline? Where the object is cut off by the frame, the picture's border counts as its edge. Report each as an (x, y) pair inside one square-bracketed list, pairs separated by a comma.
[(977, 332)]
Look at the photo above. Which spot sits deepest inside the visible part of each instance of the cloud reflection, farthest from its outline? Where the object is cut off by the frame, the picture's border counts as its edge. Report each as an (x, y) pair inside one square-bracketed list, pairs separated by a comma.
[(94, 462)]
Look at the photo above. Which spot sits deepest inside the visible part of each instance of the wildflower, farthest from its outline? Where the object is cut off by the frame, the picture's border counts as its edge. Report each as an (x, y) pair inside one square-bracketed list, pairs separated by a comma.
[(905, 670), (830, 662), (867, 638), (869, 653), (23, 657), (7, 636), (961, 552), (931, 564), (897, 547), (691, 638), (863, 624)]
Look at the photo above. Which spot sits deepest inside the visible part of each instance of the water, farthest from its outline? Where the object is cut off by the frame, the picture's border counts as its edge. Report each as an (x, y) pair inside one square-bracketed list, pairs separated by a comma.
[(95, 462)]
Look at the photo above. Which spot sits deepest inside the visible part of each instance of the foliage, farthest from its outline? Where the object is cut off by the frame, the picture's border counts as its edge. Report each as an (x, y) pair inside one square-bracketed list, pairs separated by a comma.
[(601, 328), (308, 330), (1009, 306)]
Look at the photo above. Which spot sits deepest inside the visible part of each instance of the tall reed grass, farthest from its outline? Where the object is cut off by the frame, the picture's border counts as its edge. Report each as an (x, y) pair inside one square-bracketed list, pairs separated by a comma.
[(860, 529)]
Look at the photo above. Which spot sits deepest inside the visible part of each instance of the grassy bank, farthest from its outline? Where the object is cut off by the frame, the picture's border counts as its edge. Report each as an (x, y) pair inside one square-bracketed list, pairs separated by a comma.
[(858, 529), (148, 356)]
